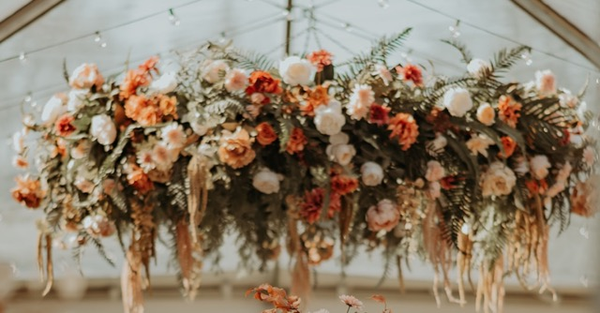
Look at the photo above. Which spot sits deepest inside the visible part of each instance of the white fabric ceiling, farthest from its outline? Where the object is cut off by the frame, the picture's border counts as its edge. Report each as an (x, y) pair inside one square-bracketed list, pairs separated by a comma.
[(42, 75)]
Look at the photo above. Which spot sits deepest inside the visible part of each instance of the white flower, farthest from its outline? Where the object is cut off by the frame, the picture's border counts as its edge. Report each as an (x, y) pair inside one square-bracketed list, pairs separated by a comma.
[(589, 156), (81, 149), (478, 67), (360, 101), (103, 129), (498, 180), (236, 80), (383, 73), (545, 82), (568, 100), (339, 150), (77, 99), (479, 144), (521, 166), (582, 110), (214, 69), (329, 118), (371, 174), (295, 71), (145, 160), (486, 114), (54, 108), (18, 141), (173, 135), (439, 142), (539, 166), (165, 83), (266, 181), (435, 171), (457, 101)]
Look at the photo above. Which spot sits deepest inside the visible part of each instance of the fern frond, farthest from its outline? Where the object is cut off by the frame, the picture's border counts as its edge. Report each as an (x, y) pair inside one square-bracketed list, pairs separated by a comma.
[(462, 48)]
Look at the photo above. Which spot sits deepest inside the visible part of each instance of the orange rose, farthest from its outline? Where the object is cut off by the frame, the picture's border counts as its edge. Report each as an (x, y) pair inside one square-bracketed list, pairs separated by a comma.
[(405, 128), (236, 149), (139, 77), (168, 105), (343, 185), (266, 134), (314, 99), (509, 147), (28, 192), (63, 126), (139, 180), (263, 82), (297, 141), (320, 59), (509, 110)]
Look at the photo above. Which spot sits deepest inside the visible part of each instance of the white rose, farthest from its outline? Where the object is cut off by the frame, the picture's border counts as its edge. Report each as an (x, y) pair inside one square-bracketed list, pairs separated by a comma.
[(236, 80), (371, 173), (54, 108), (458, 101), (539, 166), (360, 102), (214, 70), (545, 82), (486, 114), (329, 118), (165, 84), (76, 99), (478, 67), (103, 129), (498, 180), (339, 150), (296, 71), (266, 181)]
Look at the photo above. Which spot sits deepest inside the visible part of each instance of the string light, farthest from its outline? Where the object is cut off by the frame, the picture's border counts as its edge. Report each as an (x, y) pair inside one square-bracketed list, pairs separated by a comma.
[(223, 37), (455, 29), (527, 57), (347, 27), (99, 40), (173, 18), (584, 232), (384, 4), (23, 57)]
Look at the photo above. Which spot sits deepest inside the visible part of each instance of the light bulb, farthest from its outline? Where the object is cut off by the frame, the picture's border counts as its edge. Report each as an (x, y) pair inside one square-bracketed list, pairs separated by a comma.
[(98, 37), (173, 18), (384, 4), (23, 57), (347, 27)]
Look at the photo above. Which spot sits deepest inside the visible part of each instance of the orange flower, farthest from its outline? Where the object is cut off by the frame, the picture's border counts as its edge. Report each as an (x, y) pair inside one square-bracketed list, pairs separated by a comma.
[(314, 98), (139, 180), (320, 59), (509, 147), (266, 134), (411, 73), (168, 105), (310, 209), (405, 128), (136, 78), (297, 141), (236, 149), (378, 114), (263, 82), (150, 111), (343, 185), (277, 297), (28, 192), (63, 126), (509, 110)]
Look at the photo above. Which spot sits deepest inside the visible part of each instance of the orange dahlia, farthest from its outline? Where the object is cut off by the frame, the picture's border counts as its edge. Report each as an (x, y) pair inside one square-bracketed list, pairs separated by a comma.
[(266, 135), (509, 110), (405, 128)]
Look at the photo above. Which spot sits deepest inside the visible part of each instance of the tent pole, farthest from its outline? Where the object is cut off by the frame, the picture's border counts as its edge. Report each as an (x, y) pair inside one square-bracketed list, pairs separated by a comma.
[(288, 28)]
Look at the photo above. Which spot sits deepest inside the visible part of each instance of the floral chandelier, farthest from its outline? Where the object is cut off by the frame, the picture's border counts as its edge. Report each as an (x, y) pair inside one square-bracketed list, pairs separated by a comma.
[(467, 171)]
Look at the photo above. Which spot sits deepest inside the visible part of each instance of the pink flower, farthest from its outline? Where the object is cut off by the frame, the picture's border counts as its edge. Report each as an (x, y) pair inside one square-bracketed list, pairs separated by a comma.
[(545, 82), (383, 216), (351, 301), (435, 171), (236, 80)]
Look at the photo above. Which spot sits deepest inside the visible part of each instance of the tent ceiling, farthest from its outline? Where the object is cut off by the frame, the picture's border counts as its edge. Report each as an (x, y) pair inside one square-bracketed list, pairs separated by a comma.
[(42, 74)]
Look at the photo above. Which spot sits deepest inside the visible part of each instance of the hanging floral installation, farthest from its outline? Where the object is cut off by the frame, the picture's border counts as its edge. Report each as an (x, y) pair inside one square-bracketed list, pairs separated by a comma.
[(467, 171)]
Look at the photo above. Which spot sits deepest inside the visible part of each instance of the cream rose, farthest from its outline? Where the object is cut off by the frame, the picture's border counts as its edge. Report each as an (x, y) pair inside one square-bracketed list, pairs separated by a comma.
[(339, 150), (435, 171), (266, 181), (76, 99), (479, 144), (236, 80), (371, 174), (478, 67), (214, 69), (545, 82), (457, 101), (329, 118), (295, 71), (486, 114), (54, 108), (86, 76), (103, 129), (498, 180), (540, 165), (360, 102), (165, 83), (383, 216)]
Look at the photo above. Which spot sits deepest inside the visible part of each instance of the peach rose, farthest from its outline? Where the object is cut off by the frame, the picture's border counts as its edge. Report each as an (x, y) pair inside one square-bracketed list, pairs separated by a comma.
[(435, 171), (266, 134), (383, 216), (86, 76), (498, 180), (297, 141), (540, 166), (486, 114), (236, 149)]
